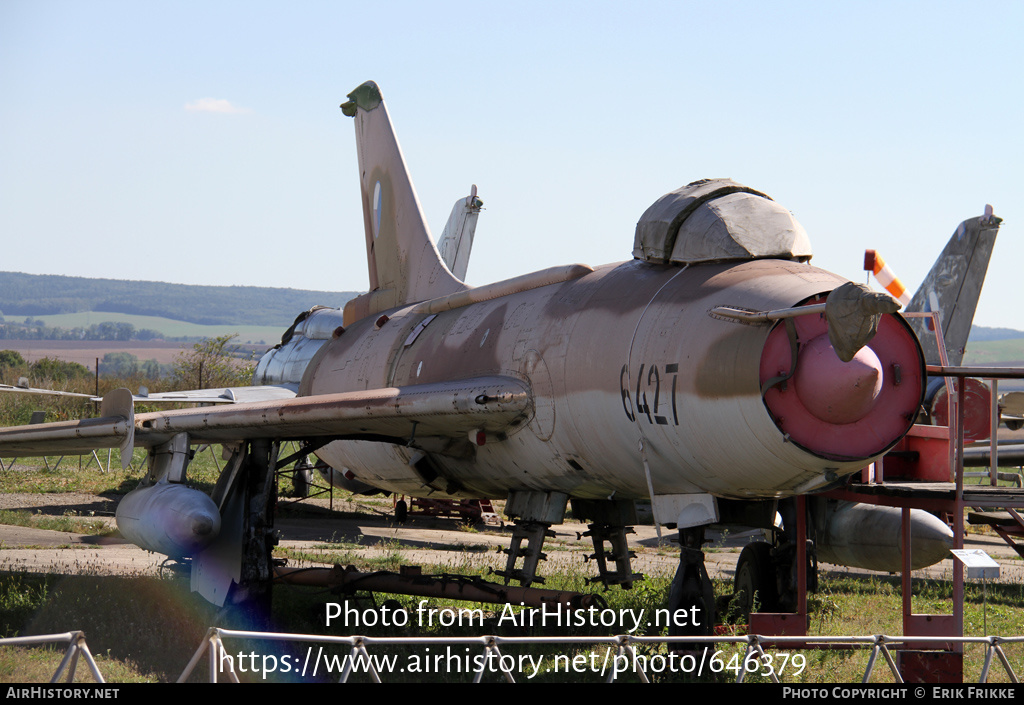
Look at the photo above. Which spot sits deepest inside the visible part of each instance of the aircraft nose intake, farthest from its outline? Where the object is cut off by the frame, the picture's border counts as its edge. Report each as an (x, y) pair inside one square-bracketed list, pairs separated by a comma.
[(834, 391), (838, 410)]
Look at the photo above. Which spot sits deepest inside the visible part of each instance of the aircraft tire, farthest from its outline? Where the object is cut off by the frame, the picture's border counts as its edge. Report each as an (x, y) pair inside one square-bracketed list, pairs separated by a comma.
[(401, 511), (302, 479), (755, 583)]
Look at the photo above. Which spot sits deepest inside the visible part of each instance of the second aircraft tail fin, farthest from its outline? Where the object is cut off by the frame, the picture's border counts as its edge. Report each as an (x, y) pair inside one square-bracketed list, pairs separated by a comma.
[(456, 241), (953, 287)]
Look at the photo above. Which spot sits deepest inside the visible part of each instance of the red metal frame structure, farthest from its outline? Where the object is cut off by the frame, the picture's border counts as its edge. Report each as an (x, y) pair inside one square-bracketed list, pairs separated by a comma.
[(467, 510), (949, 497)]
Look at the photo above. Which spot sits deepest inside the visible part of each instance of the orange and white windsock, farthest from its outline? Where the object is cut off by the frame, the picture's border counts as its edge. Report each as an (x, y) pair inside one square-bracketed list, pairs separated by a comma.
[(874, 263)]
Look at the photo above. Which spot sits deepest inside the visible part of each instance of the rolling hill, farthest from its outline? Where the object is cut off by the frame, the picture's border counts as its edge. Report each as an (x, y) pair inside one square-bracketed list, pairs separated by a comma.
[(35, 295)]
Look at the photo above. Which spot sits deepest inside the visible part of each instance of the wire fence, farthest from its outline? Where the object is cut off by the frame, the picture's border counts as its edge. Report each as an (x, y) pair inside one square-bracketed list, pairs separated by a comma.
[(610, 658)]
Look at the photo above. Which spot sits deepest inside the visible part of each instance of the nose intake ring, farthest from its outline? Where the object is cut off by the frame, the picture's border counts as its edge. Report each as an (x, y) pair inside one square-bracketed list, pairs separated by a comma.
[(842, 410)]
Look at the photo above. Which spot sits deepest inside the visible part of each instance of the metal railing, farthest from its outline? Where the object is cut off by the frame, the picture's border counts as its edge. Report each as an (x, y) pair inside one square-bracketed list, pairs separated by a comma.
[(620, 655), (76, 647)]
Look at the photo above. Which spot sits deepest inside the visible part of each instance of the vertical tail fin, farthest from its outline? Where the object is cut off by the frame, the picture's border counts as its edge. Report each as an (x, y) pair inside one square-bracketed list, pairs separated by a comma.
[(953, 287), (456, 241), (404, 264)]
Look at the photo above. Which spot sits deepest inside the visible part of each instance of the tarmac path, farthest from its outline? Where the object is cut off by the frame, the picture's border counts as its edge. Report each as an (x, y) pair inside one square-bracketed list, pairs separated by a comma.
[(362, 532)]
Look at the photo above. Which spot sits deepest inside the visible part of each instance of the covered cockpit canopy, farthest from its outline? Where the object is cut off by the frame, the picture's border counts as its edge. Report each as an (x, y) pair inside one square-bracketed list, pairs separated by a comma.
[(718, 219)]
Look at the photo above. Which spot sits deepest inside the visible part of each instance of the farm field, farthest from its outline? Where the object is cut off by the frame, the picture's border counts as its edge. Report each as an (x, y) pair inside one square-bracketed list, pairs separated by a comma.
[(85, 352), (996, 352), (168, 327)]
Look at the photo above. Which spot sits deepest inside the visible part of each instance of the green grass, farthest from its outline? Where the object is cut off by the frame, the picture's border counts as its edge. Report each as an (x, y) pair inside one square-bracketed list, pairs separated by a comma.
[(27, 476), (347, 553), (31, 475), (994, 351), (146, 624), (69, 522), (39, 664), (146, 629), (149, 628)]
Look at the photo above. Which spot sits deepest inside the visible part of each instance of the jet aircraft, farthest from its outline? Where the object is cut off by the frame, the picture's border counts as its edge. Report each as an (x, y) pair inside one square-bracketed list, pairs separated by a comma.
[(716, 373), (951, 289)]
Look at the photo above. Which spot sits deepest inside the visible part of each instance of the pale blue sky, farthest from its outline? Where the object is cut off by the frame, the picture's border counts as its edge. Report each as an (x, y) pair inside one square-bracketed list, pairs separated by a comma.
[(879, 125)]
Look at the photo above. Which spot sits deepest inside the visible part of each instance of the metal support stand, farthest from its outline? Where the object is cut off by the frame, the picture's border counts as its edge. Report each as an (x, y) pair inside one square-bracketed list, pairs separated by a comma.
[(691, 598), (256, 480), (619, 553), (534, 532), (793, 576)]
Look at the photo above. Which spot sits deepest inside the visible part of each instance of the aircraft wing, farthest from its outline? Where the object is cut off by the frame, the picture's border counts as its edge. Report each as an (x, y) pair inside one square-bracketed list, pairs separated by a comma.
[(221, 395), (449, 409), (50, 392)]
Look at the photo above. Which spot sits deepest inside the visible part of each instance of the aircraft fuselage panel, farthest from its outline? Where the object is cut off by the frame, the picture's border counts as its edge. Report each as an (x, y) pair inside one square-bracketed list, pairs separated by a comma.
[(631, 354)]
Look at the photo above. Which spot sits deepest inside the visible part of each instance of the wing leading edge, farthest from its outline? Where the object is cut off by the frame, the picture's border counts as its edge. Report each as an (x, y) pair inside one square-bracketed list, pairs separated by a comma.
[(449, 409), (218, 395)]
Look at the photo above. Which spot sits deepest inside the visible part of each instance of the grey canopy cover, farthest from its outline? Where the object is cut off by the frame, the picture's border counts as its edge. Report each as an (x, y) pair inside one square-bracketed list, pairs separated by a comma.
[(718, 219)]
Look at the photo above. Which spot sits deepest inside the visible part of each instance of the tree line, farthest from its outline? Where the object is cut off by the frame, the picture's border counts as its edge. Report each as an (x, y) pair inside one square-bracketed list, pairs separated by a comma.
[(35, 329)]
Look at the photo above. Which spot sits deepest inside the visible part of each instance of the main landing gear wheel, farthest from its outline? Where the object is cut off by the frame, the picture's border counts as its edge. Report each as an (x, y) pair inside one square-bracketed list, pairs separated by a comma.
[(786, 567), (302, 477), (401, 511), (756, 585)]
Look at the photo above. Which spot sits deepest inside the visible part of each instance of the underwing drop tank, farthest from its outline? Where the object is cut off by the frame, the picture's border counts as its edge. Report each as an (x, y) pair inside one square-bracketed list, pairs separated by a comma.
[(870, 537), (168, 518)]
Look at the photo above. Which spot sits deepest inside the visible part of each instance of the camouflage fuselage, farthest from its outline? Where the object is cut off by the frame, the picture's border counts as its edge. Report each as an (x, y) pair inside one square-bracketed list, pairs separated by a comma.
[(625, 363)]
